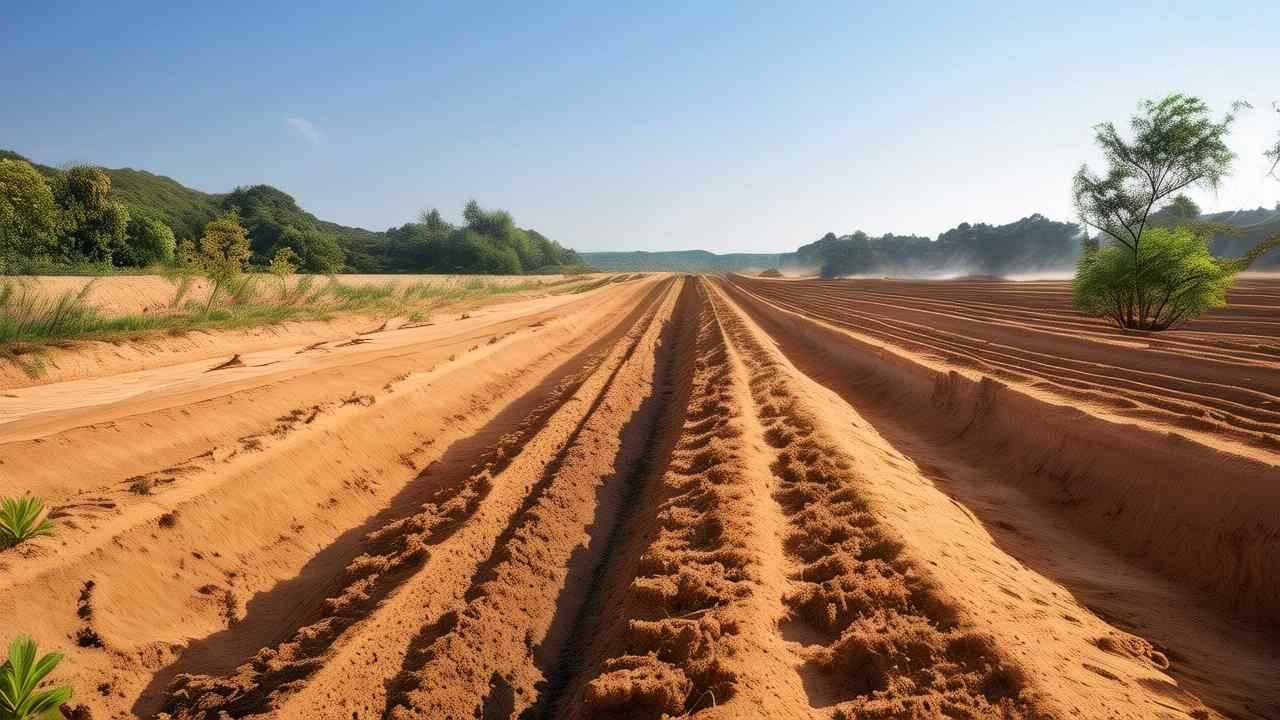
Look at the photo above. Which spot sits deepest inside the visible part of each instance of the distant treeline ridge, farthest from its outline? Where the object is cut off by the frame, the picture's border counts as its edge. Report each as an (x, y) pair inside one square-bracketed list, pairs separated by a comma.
[(93, 218)]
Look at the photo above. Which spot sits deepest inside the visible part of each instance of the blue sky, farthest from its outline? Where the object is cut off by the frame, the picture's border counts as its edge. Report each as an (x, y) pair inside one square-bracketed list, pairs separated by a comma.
[(717, 125)]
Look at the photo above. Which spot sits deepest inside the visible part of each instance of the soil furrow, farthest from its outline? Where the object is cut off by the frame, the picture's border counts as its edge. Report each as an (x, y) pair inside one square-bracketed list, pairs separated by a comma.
[(1240, 405), (999, 452), (404, 550), (879, 639), (675, 645), (673, 497), (494, 657)]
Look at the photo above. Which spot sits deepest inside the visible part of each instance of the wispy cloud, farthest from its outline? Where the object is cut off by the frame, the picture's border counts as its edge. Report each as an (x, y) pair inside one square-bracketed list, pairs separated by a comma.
[(306, 129)]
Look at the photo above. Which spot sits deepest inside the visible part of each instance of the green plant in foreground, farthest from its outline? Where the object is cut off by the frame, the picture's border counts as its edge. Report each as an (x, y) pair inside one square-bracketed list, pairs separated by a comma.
[(19, 677), (20, 520)]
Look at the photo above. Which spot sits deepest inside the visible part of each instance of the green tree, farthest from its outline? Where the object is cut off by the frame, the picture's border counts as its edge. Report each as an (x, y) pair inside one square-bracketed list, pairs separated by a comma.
[(1184, 208), (148, 241), (1175, 145), (314, 250), (1174, 271), (847, 256), (95, 225), (222, 253), (28, 214), (274, 220)]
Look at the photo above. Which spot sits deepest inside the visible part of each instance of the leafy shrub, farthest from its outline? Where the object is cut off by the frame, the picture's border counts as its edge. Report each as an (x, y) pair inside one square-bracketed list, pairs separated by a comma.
[(148, 241), (20, 676), (1172, 278), (20, 520), (221, 254), (282, 266)]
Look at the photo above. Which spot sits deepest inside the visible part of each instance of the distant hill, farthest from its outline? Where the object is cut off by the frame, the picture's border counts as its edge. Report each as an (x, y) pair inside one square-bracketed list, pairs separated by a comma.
[(1256, 225), (680, 261), (1033, 243), (1030, 245), (489, 242), (184, 210)]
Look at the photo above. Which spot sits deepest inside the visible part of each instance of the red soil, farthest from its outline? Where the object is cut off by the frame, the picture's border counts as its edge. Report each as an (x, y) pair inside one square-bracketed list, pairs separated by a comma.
[(670, 497)]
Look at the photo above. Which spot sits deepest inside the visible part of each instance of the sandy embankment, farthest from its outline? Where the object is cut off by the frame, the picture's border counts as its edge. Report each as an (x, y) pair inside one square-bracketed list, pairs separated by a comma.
[(118, 295), (129, 294)]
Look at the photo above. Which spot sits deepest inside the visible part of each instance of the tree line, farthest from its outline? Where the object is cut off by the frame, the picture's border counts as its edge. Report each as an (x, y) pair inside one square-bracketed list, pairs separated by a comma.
[(1031, 244), (55, 220)]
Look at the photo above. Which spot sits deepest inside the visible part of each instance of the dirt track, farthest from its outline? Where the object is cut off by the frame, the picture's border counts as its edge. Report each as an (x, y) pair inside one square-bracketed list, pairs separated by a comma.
[(671, 496)]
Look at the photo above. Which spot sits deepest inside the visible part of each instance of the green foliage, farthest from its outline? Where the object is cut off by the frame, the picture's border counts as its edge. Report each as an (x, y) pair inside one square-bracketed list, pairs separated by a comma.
[(28, 215), (1173, 279), (26, 315), (21, 697), (1184, 208), (101, 217), (275, 221), (222, 253), (1175, 145), (184, 210), (148, 241), (182, 282), (95, 225), (1032, 243), (242, 289), (282, 266), (845, 257), (20, 520), (489, 243), (28, 320)]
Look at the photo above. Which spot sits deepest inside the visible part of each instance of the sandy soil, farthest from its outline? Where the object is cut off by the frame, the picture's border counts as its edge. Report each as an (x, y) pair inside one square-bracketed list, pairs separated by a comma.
[(115, 295), (668, 497)]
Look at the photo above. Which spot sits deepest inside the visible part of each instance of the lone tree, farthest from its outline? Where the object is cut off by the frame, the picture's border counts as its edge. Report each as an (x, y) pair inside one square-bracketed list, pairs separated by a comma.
[(1145, 277), (222, 253)]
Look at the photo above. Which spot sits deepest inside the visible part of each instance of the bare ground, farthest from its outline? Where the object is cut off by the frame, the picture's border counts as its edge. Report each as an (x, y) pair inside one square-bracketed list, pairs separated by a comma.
[(669, 497)]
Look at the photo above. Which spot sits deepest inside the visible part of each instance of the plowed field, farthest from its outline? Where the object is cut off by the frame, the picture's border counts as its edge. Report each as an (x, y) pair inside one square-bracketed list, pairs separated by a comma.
[(672, 496)]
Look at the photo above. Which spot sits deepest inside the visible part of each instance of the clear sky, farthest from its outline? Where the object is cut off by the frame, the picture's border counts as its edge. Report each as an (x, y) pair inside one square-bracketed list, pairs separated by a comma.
[(727, 126)]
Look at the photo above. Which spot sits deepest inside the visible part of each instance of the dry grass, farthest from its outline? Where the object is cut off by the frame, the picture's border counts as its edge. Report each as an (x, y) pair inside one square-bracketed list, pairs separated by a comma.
[(31, 320)]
